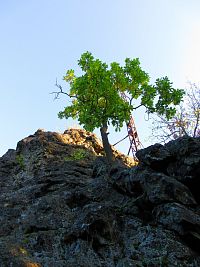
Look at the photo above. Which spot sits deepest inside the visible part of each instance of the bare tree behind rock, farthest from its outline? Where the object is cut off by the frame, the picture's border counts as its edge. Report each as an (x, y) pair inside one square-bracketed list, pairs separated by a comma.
[(186, 121)]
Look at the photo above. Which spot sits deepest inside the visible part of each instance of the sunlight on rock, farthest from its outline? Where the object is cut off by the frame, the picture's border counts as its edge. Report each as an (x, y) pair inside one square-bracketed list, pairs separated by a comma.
[(31, 264)]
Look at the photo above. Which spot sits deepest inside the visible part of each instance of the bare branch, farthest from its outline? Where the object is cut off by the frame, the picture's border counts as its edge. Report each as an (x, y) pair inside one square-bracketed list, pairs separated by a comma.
[(57, 93), (197, 125), (138, 106)]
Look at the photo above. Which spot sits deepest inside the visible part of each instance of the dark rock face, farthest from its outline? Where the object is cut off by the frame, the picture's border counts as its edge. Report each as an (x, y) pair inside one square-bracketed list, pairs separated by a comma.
[(61, 206)]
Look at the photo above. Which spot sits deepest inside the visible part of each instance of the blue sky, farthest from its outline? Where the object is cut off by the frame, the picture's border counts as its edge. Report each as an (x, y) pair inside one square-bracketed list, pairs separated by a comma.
[(41, 39)]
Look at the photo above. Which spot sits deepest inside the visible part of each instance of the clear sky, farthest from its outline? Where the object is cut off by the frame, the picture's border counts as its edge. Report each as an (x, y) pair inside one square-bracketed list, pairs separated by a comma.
[(41, 39)]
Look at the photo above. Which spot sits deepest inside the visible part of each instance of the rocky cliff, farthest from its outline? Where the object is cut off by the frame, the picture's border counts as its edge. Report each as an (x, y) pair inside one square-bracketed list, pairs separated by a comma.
[(60, 206)]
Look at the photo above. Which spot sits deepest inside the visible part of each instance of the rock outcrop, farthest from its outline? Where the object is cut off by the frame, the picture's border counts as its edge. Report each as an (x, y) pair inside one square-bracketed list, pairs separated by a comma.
[(60, 205)]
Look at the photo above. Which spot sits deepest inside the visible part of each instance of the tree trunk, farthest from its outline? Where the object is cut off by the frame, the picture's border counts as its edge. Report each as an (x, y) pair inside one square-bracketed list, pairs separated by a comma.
[(107, 148)]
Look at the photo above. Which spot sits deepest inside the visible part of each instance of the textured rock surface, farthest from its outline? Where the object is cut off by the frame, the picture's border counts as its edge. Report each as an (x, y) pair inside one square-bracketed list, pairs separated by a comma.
[(60, 205)]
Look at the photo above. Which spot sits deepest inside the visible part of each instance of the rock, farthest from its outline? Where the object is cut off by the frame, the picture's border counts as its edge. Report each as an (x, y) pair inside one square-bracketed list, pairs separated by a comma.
[(177, 217), (160, 188), (60, 204), (179, 159), (156, 156)]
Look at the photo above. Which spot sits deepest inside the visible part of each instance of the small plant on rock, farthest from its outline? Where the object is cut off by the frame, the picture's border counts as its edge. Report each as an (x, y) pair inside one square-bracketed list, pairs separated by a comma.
[(20, 161), (77, 154)]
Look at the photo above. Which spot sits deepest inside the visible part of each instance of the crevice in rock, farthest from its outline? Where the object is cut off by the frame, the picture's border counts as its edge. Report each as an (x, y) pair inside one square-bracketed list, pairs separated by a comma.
[(99, 234), (69, 239), (161, 166), (193, 183), (50, 182), (46, 188), (192, 240), (145, 212), (132, 189), (35, 229), (78, 200)]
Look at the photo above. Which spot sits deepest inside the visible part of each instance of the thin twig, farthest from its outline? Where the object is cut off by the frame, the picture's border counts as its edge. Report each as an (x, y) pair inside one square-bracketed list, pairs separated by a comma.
[(60, 92)]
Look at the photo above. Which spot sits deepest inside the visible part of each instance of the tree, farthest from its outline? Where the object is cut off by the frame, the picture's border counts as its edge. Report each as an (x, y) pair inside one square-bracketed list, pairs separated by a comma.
[(186, 120), (96, 95)]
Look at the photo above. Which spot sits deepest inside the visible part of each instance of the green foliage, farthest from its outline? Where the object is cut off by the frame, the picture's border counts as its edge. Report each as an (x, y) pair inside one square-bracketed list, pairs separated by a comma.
[(167, 96), (97, 93), (77, 154), (20, 161)]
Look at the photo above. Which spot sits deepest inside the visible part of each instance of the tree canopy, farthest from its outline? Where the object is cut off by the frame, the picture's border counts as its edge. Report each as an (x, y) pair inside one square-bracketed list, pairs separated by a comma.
[(97, 94)]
